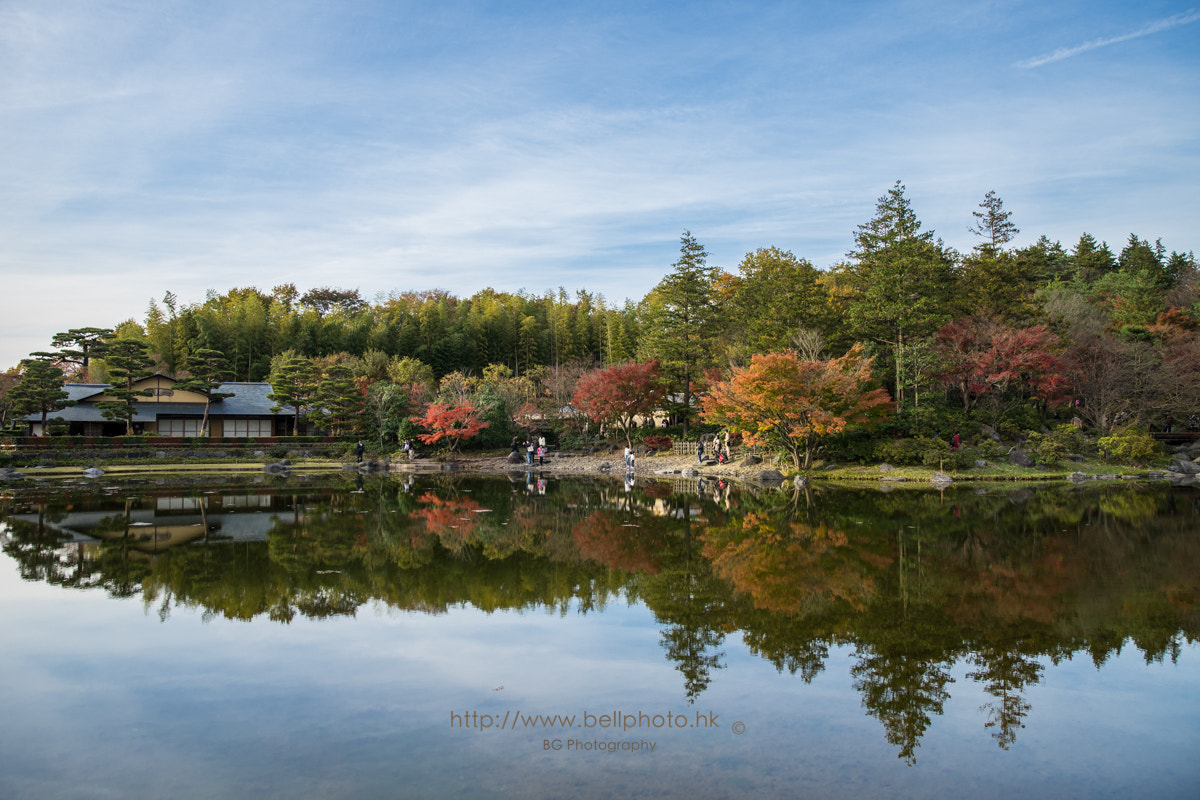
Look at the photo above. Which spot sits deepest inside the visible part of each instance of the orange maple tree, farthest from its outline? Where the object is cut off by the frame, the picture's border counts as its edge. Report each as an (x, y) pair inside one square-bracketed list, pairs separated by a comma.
[(455, 423), (785, 402)]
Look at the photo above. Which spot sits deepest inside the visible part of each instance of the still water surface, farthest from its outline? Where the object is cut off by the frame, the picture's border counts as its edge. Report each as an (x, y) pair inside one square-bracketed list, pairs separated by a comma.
[(448, 636)]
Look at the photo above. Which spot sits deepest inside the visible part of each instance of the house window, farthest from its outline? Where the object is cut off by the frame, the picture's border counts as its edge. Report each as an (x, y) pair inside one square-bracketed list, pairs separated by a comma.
[(247, 427), (179, 427)]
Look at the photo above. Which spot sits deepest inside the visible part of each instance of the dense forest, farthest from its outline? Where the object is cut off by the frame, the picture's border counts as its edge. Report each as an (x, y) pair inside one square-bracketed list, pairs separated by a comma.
[(1004, 336)]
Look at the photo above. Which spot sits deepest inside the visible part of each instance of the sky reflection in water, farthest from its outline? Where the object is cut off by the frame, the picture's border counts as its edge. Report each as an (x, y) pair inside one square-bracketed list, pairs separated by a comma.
[(109, 696)]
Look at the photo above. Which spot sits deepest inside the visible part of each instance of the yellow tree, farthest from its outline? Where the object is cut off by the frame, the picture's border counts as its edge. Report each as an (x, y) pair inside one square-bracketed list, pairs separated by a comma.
[(782, 401)]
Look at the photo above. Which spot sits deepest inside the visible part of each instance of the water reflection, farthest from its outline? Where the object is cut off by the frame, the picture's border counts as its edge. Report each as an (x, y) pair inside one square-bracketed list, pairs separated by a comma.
[(916, 583)]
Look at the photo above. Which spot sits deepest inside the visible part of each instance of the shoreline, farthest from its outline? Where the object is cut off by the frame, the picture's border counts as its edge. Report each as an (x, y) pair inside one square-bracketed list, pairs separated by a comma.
[(610, 465)]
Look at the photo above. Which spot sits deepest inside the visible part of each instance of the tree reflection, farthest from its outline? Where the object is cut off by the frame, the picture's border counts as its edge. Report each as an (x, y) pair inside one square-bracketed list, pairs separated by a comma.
[(902, 689), (1005, 673), (915, 582)]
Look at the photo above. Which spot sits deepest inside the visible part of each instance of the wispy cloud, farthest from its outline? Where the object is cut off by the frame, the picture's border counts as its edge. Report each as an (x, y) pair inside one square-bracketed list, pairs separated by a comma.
[(201, 145), (1154, 27)]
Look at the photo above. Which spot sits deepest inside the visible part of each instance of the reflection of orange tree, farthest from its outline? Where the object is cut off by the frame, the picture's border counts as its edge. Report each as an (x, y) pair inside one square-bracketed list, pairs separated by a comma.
[(606, 537), (451, 519), (792, 566), (1031, 589)]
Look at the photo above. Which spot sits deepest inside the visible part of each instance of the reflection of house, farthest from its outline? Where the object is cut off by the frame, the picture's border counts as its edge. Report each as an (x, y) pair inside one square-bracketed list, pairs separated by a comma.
[(173, 521), (167, 411)]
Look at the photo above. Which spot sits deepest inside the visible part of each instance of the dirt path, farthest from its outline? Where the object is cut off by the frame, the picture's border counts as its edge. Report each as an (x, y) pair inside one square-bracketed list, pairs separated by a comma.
[(614, 465)]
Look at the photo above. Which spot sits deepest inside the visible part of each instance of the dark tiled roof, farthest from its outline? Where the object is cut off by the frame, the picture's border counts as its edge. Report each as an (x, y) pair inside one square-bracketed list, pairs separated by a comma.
[(249, 399), (78, 391)]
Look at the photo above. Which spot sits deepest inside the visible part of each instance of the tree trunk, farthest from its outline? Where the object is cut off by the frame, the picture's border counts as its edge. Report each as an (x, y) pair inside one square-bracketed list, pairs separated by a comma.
[(687, 396)]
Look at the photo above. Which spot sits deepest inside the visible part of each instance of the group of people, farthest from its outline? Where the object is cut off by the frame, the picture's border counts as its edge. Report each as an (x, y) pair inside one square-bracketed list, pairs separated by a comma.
[(719, 446), (630, 459), (533, 447)]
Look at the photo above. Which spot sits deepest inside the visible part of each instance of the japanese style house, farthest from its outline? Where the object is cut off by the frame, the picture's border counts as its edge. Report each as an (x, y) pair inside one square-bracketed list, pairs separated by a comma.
[(167, 411)]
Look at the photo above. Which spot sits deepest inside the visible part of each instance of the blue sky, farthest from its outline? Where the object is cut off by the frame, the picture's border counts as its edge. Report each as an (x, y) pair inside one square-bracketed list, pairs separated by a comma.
[(389, 146)]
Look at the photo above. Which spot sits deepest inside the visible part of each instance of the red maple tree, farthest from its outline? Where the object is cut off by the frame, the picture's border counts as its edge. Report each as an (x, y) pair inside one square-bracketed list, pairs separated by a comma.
[(982, 356), (618, 394)]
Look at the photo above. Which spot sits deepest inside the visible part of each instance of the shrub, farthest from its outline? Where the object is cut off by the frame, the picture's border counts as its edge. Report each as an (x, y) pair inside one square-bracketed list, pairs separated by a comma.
[(1045, 450), (1069, 437), (856, 446), (1018, 420), (989, 450), (928, 421), (1130, 446), (923, 450), (573, 440), (1051, 448), (657, 442)]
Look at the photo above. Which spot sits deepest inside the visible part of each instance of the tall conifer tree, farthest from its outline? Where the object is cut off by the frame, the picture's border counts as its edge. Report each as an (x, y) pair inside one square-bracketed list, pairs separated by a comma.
[(682, 319)]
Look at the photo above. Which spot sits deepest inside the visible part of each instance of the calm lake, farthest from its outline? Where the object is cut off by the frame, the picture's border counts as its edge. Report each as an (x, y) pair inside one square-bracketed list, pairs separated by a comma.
[(486, 637)]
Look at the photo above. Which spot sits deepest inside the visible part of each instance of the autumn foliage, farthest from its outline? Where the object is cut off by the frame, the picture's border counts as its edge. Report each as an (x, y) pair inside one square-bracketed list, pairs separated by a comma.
[(782, 401), (455, 423), (981, 356), (616, 395)]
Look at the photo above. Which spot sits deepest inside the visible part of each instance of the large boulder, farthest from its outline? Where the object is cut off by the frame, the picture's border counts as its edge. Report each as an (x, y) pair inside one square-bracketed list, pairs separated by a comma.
[(93, 472), (886, 467), (751, 460), (515, 457), (941, 479), (1184, 467), (769, 476), (1021, 458)]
